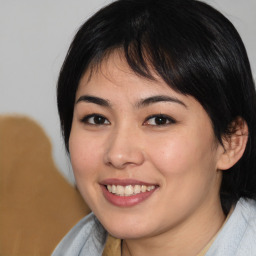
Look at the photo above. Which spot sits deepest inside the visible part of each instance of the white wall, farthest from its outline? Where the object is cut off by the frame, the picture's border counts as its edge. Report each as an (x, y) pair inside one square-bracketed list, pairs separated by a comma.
[(242, 13), (34, 37)]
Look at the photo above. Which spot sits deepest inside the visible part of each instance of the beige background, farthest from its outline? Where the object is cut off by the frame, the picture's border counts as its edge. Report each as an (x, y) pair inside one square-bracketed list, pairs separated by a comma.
[(37, 205)]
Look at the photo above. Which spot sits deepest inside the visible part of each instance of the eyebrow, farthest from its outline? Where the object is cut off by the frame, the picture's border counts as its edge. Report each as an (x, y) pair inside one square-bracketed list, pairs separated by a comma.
[(95, 100), (159, 98), (140, 104)]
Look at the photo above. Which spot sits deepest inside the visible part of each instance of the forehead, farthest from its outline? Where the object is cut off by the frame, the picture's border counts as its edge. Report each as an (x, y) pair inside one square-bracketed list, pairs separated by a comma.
[(113, 72)]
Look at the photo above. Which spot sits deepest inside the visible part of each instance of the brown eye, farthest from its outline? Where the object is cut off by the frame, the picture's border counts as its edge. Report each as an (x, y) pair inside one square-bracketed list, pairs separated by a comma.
[(98, 120), (159, 120), (95, 120)]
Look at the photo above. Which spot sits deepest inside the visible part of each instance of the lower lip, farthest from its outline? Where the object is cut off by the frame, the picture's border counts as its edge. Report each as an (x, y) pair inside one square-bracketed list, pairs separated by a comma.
[(126, 201)]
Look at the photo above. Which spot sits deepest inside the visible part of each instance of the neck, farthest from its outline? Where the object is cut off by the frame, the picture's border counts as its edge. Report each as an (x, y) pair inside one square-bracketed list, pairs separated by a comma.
[(186, 239)]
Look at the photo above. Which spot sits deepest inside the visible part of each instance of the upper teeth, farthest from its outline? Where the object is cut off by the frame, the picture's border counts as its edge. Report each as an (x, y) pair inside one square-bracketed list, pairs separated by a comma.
[(128, 190)]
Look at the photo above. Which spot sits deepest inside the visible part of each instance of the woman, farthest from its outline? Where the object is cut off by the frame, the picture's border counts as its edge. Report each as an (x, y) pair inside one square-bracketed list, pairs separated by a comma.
[(157, 107)]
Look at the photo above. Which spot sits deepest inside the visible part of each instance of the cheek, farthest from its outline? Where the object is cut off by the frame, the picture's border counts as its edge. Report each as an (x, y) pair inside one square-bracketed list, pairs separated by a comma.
[(187, 155), (85, 160), (85, 155), (187, 166)]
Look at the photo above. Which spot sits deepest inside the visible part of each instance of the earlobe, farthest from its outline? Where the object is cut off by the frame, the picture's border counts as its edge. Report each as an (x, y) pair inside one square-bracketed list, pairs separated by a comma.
[(234, 144)]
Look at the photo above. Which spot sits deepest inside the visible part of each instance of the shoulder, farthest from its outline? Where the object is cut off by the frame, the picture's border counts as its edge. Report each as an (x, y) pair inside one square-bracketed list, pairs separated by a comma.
[(87, 235), (238, 235)]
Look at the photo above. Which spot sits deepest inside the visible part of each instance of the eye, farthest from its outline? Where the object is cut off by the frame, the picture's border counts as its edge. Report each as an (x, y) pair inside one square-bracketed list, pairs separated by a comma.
[(159, 120), (95, 119)]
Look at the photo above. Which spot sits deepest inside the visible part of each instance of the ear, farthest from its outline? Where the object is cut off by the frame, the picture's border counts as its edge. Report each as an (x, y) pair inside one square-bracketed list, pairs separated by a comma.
[(234, 144)]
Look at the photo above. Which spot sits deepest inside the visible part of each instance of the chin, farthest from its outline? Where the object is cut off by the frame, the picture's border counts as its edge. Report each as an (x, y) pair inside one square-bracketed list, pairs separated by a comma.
[(128, 234), (127, 229)]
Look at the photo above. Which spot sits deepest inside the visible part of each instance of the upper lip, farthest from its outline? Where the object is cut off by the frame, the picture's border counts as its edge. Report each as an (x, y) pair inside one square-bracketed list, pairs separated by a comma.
[(125, 182)]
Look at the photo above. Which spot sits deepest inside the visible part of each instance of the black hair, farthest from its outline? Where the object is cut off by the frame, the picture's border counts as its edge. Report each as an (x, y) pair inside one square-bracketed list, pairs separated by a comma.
[(193, 48)]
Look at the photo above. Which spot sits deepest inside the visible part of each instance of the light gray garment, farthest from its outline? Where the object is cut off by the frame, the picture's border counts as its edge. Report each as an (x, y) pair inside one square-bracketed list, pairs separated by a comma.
[(86, 238), (236, 238)]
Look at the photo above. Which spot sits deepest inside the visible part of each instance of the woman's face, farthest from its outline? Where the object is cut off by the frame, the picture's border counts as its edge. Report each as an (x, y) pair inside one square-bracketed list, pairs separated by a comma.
[(144, 157)]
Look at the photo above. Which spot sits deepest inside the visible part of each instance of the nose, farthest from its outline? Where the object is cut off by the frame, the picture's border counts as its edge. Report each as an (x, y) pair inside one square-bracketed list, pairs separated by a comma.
[(124, 148)]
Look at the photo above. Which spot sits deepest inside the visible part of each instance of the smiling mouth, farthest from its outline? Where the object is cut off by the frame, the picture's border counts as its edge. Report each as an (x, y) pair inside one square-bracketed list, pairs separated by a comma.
[(129, 190)]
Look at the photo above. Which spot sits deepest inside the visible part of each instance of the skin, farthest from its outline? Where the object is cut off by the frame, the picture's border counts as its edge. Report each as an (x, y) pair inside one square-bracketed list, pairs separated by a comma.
[(181, 156)]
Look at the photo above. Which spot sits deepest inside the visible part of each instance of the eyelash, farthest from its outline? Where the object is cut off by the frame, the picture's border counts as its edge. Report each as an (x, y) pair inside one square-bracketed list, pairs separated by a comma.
[(87, 118), (163, 120)]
